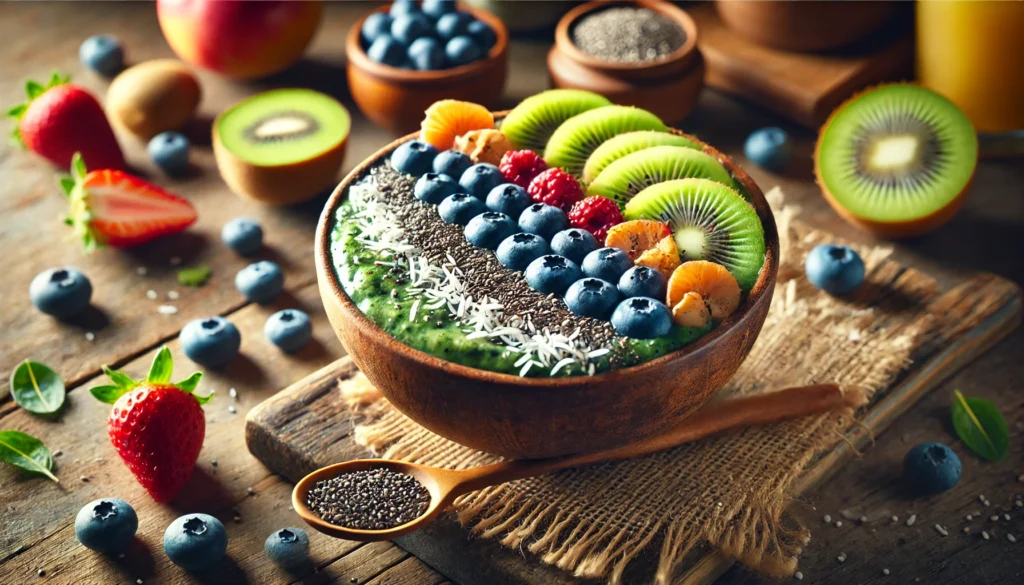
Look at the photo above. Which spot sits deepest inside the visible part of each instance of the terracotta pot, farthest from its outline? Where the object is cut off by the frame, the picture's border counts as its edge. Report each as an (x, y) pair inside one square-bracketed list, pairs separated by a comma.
[(543, 417), (396, 98), (667, 87), (809, 25)]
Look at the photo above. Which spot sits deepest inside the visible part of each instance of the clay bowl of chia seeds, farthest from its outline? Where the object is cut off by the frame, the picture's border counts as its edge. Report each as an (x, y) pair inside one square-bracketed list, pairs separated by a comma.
[(531, 417), (640, 53)]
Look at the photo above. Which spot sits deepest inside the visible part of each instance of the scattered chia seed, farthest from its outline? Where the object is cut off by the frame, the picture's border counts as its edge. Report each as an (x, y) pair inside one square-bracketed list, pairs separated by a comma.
[(58, 453), (984, 534), (994, 517), (84, 479), (232, 409), (968, 517), (627, 35), (151, 295), (912, 519), (1011, 538), (941, 530), (827, 519), (798, 576), (885, 572), (842, 557), (1006, 517), (250, 491), (967, 530), (232, 393), (863, 519), (895, 519), (41, 572), (90, 336), (375, 499), (839, 523)]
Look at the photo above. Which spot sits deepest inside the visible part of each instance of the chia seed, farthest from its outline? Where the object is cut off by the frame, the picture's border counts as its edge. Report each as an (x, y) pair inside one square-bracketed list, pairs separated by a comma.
[(627, 35), (375, 499)]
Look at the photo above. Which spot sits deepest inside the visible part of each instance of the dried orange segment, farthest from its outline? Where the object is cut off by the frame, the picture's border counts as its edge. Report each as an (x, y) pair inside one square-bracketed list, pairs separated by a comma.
[(692, 311), (637, 236), (713, 282), (447, 119), (664, 257)]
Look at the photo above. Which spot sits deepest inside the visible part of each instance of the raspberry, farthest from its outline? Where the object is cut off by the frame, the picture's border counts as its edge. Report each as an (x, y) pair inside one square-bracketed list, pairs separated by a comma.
[(597, 215), (521, 166), (555, 187)]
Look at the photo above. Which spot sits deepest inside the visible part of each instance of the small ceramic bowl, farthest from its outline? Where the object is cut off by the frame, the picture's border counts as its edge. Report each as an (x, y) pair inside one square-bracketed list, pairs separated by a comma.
[(544, 417), (395, 98), (668, 87), (812, 25)]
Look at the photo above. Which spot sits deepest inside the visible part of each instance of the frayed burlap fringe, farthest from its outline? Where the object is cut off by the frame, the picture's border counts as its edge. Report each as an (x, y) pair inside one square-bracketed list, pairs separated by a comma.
[(728, 491)]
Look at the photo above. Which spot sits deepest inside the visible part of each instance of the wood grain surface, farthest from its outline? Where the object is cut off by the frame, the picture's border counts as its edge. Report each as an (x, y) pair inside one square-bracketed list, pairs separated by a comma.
[(37, 515)]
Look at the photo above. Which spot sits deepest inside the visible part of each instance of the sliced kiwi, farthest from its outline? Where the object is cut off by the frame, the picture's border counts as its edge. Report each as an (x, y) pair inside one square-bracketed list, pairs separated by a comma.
[(619, 146), (629, 175), (709, 221), (531, 123), (896, 159), (575, 140)]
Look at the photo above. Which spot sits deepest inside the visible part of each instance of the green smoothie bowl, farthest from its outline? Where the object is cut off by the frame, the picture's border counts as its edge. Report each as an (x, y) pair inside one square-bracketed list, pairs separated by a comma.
[(442, 262)]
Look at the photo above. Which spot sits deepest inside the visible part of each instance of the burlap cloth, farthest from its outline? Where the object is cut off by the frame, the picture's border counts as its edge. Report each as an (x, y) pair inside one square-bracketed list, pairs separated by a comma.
[(728, 492)]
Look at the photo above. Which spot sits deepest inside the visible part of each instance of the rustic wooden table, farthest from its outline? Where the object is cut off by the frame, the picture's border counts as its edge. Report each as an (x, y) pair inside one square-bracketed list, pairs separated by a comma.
[(37, 515)]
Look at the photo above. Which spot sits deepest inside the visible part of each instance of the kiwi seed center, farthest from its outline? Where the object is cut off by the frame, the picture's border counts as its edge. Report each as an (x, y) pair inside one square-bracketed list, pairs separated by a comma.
[(280, 126), (898, 150)]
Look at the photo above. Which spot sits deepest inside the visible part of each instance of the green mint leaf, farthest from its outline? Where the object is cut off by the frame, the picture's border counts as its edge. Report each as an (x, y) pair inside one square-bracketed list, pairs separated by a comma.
[(37, 388), (120, 380), (17, 111), (189, 384), (26, 452), (981, 427), (107, 394), (163, 366), (203, 398), (194, 275), (34, 89)]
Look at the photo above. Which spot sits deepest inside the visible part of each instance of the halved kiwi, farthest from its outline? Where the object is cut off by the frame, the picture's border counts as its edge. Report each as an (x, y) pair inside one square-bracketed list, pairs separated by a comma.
[(619, 146), (281, 146), (709, 221), (575, 140), (531, 123), (896, 160), (629, 175)]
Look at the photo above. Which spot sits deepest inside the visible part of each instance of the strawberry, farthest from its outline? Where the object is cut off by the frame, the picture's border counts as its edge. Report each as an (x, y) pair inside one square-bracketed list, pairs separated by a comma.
[(111, 207), (61, 119), (157, 427)]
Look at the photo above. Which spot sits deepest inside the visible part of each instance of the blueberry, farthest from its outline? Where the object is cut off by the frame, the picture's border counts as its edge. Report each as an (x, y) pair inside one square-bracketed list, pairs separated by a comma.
[(518, 250), (169, 150), (482, 34), (508, 199), (386, 51), (462, 50), (60, 292), (195, 541), (574, 244), (931, 468), (414, 158), (426, 54), (543, 220), (642, 318), (460, 208), (489, 229), (243, 235), (403, 7), (606, 263), (452, 25), (552, 274), (408, 27), (437, 8), (103, 54), (769, 148), (434, 188), (210, 342), (643, 281), (106, 525), (260, 282), (837, 270), (289, 330), (592, 297), (375, 25), (479, 179), (288, 548), (452, 163)]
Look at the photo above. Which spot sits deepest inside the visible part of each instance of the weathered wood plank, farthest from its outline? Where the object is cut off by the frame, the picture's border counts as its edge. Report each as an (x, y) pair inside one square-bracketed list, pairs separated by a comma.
[(409, 572)]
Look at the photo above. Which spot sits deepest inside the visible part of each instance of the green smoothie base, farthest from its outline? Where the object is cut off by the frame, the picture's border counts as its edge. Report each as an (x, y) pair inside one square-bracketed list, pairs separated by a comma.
[(437, 332)]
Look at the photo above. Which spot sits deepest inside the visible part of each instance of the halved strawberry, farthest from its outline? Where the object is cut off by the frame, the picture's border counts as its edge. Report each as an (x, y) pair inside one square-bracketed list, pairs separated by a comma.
[(111, 207)]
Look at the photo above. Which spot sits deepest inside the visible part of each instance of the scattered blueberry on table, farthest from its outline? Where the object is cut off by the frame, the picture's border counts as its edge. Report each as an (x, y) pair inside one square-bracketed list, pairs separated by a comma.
[(931, 468), (60, 292), (211, 342), (837, 270), (489, 229), (434, 188), (642, 318), (289, 329), (508, 199), (607, 264), (643, 281), (106, 525), (243, 235), (574, 244), (518, 250), (260, 282), (543, 220), (452, 163), (592, 297), (169, 151), (552, 274), (480, 179), (460, 208), (414, 158), (103, 54), (288, 548), (195, 541), (769, 148)]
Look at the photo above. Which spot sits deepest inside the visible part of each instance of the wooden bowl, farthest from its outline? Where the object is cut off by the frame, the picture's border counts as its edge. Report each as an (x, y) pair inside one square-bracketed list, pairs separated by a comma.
[(668, 87), (396, 98), (540, 417), (808, 26)]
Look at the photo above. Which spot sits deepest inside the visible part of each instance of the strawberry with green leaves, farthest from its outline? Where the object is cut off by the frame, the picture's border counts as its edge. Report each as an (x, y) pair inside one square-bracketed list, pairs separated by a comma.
[(157, 427), (111, 207), (61, 119)]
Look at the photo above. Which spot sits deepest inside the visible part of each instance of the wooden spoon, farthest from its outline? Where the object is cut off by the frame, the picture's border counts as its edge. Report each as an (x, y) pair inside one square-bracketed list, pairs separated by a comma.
[(445, 485)]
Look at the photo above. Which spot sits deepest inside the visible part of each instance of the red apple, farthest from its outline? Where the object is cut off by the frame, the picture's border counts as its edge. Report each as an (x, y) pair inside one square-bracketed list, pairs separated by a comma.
[(240, 39)]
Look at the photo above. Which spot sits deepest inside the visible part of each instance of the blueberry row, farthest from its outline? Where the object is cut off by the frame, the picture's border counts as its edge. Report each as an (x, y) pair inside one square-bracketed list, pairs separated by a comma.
[(428, 37)]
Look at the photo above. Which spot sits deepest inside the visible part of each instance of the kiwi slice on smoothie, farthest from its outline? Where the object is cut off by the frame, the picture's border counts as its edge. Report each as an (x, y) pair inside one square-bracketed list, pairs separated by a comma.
[(281, 146), (619, 146), (577, 138), (531, 123), (624, 178)]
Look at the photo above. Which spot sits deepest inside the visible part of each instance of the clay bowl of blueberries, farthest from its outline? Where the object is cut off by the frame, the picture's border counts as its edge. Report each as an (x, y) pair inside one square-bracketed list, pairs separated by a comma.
[(406, 56), (567, 277)]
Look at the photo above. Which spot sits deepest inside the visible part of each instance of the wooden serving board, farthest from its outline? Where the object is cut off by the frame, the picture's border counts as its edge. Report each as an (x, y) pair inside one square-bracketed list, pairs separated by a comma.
[(802, 87), (307, 426)]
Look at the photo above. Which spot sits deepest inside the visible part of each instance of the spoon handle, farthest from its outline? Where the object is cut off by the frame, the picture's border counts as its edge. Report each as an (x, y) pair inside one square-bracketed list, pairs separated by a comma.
[(713, 418)]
